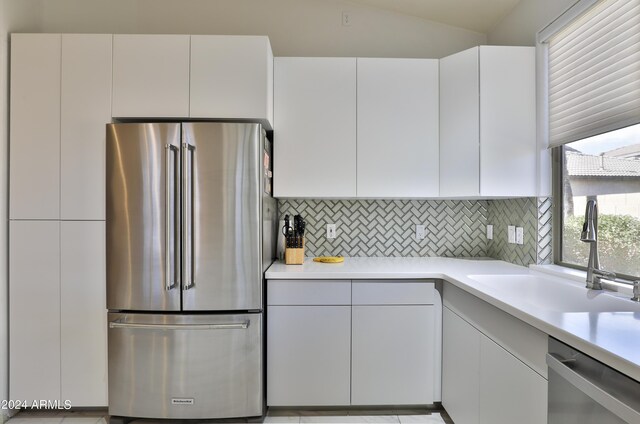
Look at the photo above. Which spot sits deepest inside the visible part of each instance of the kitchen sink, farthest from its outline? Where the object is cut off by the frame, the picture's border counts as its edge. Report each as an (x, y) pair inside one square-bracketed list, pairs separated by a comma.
[(551, 294)]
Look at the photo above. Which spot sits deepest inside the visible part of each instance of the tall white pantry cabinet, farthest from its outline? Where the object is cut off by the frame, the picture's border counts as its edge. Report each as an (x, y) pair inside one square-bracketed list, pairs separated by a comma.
[(60, 102), (64, 89)]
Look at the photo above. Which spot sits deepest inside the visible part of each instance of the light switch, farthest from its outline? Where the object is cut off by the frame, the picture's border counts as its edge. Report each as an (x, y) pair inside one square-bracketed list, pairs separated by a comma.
[(331, 231), (489, 232), (519, 235), (511, 234), (421, 232)]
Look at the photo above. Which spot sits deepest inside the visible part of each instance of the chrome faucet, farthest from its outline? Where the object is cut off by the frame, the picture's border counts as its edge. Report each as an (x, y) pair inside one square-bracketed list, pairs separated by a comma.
[(590, 235)]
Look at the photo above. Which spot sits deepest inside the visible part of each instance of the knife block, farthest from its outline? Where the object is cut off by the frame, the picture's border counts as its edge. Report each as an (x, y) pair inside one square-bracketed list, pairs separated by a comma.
[(294, 256)]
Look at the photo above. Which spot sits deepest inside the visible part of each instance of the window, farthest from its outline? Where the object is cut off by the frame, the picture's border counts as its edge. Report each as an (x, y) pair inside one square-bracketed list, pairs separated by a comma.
[(591, 96), (605, 167)]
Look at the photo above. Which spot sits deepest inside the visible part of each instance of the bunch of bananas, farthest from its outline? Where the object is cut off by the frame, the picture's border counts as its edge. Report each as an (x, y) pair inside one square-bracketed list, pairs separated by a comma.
[(329, 259)]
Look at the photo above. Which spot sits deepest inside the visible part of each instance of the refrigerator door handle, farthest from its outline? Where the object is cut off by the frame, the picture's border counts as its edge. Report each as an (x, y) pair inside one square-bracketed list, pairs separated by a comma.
[(169, 229), (188, 248), (224, 326)]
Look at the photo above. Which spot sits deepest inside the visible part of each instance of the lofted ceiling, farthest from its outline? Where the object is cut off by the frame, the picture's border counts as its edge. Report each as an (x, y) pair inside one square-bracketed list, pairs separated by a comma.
[(475, 15)]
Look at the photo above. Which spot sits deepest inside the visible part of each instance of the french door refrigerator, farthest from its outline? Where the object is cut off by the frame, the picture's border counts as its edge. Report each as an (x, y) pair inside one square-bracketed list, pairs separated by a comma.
[(190, 231)]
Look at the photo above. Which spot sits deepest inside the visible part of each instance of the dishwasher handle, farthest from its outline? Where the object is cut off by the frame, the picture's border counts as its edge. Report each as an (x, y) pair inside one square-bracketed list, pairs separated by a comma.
[(589, 388)]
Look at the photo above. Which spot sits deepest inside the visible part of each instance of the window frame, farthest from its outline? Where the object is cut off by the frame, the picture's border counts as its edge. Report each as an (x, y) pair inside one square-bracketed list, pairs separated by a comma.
[(558, 215)]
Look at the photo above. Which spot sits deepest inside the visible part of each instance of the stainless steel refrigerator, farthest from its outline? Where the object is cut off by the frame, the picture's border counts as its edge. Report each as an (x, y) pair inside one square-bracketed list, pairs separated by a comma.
[(190, 231)]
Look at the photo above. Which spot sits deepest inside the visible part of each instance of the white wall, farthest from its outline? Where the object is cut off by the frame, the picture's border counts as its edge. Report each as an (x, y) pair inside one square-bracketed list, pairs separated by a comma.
[(520, 26), (295, 27)]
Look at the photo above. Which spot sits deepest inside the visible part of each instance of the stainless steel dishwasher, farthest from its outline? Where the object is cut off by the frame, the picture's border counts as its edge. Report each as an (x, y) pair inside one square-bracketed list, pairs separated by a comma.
[(585, 391)]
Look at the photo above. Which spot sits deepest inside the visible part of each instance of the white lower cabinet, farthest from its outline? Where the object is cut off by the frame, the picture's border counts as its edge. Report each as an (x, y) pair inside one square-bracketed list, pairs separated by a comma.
[(83, 317), (57, 312), (34, 312), (338, 343), (487, 377), (308, 355), (392, 355), (460, 369), (510, 391), (308, 342)]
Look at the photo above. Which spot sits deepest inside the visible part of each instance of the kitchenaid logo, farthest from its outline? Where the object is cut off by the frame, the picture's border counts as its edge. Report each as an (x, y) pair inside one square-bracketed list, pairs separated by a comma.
[(181, 401)]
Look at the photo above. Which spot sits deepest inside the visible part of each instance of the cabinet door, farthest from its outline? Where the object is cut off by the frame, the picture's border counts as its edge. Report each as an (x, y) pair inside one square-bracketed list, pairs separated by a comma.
[(150, 76), (85, 109), (315, 127), (34, 191), (460, 369), (308, 355), (231, 77), (398, 128), (392, 355), (507, 121), (460, 124), (83, 313), (510, 391), (34, 311)]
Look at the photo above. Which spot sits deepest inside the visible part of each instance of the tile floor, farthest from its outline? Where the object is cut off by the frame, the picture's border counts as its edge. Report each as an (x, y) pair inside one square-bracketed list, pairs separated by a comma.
[(273, 417)]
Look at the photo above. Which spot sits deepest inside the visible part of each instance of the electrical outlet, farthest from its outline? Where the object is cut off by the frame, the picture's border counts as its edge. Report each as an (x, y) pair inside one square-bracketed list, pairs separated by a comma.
[(421, 232), (331, 231), (511, 234), (489, 232), (346, 18), (519, 235)]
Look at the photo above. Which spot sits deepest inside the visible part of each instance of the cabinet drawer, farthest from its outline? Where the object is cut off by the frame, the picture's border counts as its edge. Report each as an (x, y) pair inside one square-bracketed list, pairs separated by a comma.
[(309, 292), (387, 292)]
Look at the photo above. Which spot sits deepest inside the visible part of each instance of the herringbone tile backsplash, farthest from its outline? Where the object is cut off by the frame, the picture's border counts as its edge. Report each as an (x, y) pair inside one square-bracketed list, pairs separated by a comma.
[(520, 213), (387, 227), (454, 227), (545, 233)]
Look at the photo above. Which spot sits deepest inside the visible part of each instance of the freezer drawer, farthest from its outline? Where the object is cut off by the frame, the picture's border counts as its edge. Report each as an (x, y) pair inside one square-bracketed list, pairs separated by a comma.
[(185, 366)]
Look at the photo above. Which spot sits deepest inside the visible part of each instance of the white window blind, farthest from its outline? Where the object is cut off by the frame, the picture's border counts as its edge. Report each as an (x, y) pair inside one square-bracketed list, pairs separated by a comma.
[(594, 72)]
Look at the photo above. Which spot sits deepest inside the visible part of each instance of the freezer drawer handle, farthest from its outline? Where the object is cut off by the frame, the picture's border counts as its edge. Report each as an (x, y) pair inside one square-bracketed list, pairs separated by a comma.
[(226, 326), (169, 229), (609, 402)]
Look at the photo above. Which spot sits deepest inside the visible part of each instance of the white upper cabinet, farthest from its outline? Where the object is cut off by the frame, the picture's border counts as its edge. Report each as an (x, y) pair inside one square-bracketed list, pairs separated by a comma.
[(488, 131), (151, 76), (34, 191), (232, 77), (85, 109), (60, 103), (460, 124), (315, 127), (397, 128), (507, 121)]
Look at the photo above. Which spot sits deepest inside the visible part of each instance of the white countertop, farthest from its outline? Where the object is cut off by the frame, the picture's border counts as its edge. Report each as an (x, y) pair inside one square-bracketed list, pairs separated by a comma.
[(611, 337)]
